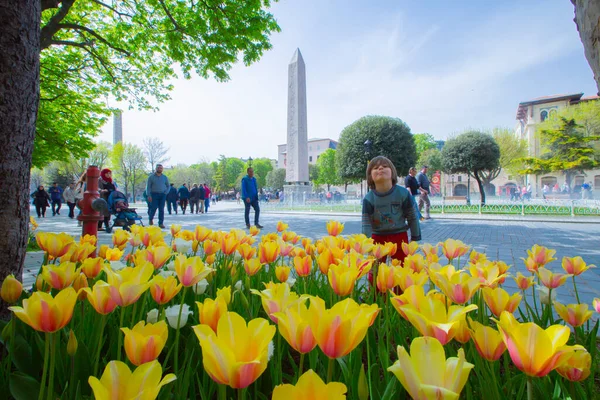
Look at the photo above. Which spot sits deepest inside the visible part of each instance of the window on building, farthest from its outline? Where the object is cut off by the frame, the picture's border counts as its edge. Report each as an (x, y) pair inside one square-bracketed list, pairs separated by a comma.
[(309, 148), (549, 180), (310, 159), (318, 147), (543, 115), (460, 178), (597, 182)]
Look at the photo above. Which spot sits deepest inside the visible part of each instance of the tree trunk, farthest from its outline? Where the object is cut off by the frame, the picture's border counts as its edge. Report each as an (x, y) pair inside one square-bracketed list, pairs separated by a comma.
[(587, 19), (19, 97), (480, 185)]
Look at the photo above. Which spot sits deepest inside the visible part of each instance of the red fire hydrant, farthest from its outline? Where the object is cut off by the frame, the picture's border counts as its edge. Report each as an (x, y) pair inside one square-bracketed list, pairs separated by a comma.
[(90, 214)]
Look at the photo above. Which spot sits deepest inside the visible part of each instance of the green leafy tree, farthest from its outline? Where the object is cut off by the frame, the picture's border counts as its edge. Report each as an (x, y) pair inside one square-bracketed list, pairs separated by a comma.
[(205, 172), (424, 142), (512, 150), (276, 179), (328, 174), (474, 153), (389, 137), (313, 172), (227, 174), (261, 166), (433, 159), (567, 149), (128, 166)]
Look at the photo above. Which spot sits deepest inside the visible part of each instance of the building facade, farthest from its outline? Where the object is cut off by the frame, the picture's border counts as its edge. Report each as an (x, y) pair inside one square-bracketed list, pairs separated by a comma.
[(316, 147)]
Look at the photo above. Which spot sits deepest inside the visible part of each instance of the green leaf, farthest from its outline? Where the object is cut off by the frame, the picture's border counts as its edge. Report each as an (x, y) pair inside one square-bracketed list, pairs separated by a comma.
[(22, 357), (390, 390), (23, 387)]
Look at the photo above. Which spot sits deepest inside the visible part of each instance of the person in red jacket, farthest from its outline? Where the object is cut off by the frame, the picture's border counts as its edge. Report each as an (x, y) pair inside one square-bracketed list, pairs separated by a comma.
[(207, 193)]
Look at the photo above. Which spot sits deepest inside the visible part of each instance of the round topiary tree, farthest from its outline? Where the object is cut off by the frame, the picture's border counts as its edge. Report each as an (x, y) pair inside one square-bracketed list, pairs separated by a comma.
[(384, 136)]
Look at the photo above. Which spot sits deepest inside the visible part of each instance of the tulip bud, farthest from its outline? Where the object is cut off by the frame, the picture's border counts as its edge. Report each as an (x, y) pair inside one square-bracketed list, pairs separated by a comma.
[(172, 314), (244, 301), (79, 283), (363, 387), (152, 316), (72, 344), (200, 287), (41, 285), (11, 289)]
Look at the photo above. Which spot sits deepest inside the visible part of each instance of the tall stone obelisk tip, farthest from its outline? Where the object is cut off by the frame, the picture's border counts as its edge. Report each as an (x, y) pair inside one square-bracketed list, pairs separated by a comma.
[(297, 57)]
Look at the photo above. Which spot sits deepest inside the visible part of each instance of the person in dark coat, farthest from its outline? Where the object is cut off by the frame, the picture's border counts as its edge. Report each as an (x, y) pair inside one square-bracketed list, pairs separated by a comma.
[(41, 200), (195, 199), (184, 196), (55, 192), (172, 197), (105, 187)]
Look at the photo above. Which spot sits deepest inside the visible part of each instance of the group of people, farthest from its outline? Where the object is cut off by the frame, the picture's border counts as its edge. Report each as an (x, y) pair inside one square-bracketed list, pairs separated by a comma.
[(419, 187), (54, 197), (520, 192), (198, 198)]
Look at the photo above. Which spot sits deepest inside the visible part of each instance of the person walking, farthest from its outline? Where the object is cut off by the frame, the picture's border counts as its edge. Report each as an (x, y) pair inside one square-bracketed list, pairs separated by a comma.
[(106, 186), (207, 193), (70, 195), (201, 197), (194, 199), (157, 187), (250, 196), (172, 199), (424, 188), (41, 200), (56, 198), (184, 196), (410, 182)]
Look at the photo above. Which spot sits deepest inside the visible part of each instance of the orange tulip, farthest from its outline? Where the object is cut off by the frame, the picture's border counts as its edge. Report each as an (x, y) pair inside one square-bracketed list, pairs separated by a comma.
[(91, 239), (488, 341), (416, 262), (129, 283), (550, 279), (80, 282), (410, 248), (282, 273), (386, 278), (277, 297), (120, 238), (575, 266), (303, 265), (229, 243), (190, 270), (164, 289), (281, 226), (78, 252), (324, 260), (252, 266), (268, 252), (577, 366), (498, 300), (334, 228), (541, 255), (55, 245), (289, 236), (158, 255), (144, 342), (459, 287), (530, 264), (573, 314), (476, 257), (342, 278), (406, 277), (210, 247), (11, 289), (524, 282), (246, 251), (453, 249), (201, 233), (210, 311), (45, 313), (113, 254), (59, 276)]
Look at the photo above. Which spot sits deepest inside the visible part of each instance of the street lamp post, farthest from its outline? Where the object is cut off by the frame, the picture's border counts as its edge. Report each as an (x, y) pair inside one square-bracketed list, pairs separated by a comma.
[(368, 146), (249, 161), (452, 188)]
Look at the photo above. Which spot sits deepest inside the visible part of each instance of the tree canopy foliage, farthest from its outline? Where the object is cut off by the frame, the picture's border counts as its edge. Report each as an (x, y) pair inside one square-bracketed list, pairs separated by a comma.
[(262, 167), (568, 149), (474, 153), (512, 150), (389, 137), (424, 142), (126, 50), (433, 159), (227, 173), (276, 179), (327, 172)]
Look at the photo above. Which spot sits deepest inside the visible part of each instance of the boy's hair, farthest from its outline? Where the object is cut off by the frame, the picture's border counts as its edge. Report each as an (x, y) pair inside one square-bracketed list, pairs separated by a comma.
[(376, 162), (412, 169)]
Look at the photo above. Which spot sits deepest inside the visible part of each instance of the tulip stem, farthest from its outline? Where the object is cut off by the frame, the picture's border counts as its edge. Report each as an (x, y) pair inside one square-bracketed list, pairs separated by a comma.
[(52, 338), (369, 366), (176, 349), (120, 337), (98, 347), (300, 366), (241, 394), (550, 306), (576, 292), (529, 388), (222, 392), (45, 372), (330, 370)]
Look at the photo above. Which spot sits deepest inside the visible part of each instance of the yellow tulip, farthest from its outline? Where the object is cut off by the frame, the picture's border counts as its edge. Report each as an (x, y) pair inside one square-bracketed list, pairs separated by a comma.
[(334, 228), (410, 248), (386, 278), (289, 236), (277, 297), (340, 329), (416, 262), (282, 273), (488, 273), (498, 300), (359, 243), (295, 324), (324, 260), (120, 238), (41, 285), (406, 277), (118, 382), (190, 270), (45, 313), (103, 297), (59, 276), (533, 350), (55, 245), (303, 265), (524, 282), (201, 233), (91, 267), (285, 249), (343, 278), (134, 241), (237, 354), (210, 247), (453, 249), (577, 366), (246, 251), (414, 295), (150, 235), (573, 314), (281, 226), (575, 266), (430, 318), (425, 373), (356, 260), (310, 387), (80, 282), (462, 334), (530, 264), (476, 257), (541, 255), (113, 254), (78, 252), (72, 344), (164, 289), (129, 283), (175, 229), (252, 266), (211, 311), (268, 252), (11, 289), (144, 342), (254, 230), (488, 341), (157, 255), (459, 288), (229, 243), (550, 279), (380, 251), (91, 239)]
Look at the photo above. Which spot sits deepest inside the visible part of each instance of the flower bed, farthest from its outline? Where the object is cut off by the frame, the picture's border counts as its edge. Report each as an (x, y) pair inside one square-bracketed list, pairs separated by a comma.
[(206, 314)]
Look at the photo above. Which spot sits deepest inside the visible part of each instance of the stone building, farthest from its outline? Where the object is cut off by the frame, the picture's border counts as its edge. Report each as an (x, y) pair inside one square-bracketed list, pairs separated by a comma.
[(316, 147)]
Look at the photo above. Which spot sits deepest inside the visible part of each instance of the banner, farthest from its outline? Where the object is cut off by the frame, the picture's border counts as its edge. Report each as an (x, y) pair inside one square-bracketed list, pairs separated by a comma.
[(435, 183)]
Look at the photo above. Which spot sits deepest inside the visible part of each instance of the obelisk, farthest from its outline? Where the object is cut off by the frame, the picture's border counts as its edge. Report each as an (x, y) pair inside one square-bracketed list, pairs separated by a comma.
[(117, 127), (297, 137)]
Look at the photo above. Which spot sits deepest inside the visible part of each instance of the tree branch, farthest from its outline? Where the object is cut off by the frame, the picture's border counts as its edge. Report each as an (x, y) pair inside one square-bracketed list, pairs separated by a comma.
[(164, 6), (94, 34), (48, 4), (121, 14), (48, 31), (82, 45)]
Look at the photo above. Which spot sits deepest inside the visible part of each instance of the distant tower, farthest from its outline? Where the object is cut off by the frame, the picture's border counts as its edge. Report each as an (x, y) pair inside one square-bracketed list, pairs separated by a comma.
[(117, 127)]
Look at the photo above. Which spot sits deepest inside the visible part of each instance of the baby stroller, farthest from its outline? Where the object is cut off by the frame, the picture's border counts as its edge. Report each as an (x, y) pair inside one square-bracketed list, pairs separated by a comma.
[(119, 207)]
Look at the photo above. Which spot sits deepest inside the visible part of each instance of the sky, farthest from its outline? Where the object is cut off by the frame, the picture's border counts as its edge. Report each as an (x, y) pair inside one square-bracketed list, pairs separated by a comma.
[(440, 66)]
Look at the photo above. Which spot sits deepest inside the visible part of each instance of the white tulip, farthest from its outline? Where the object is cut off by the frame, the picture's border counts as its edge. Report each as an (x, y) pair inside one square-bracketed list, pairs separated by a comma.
[(171, 266), (200, 287), (172, 314), (290, 281), (167, 274), (543, 292), (117, 265), (182, 246), (271, 350), (238, 285), (152, 316)]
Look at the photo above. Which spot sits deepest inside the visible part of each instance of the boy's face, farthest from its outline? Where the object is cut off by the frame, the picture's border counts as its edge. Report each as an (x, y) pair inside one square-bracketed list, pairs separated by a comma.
[(381, 173)]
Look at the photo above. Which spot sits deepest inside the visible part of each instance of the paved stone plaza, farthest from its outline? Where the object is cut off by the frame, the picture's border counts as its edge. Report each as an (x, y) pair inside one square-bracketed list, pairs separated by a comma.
[(505, 239)]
